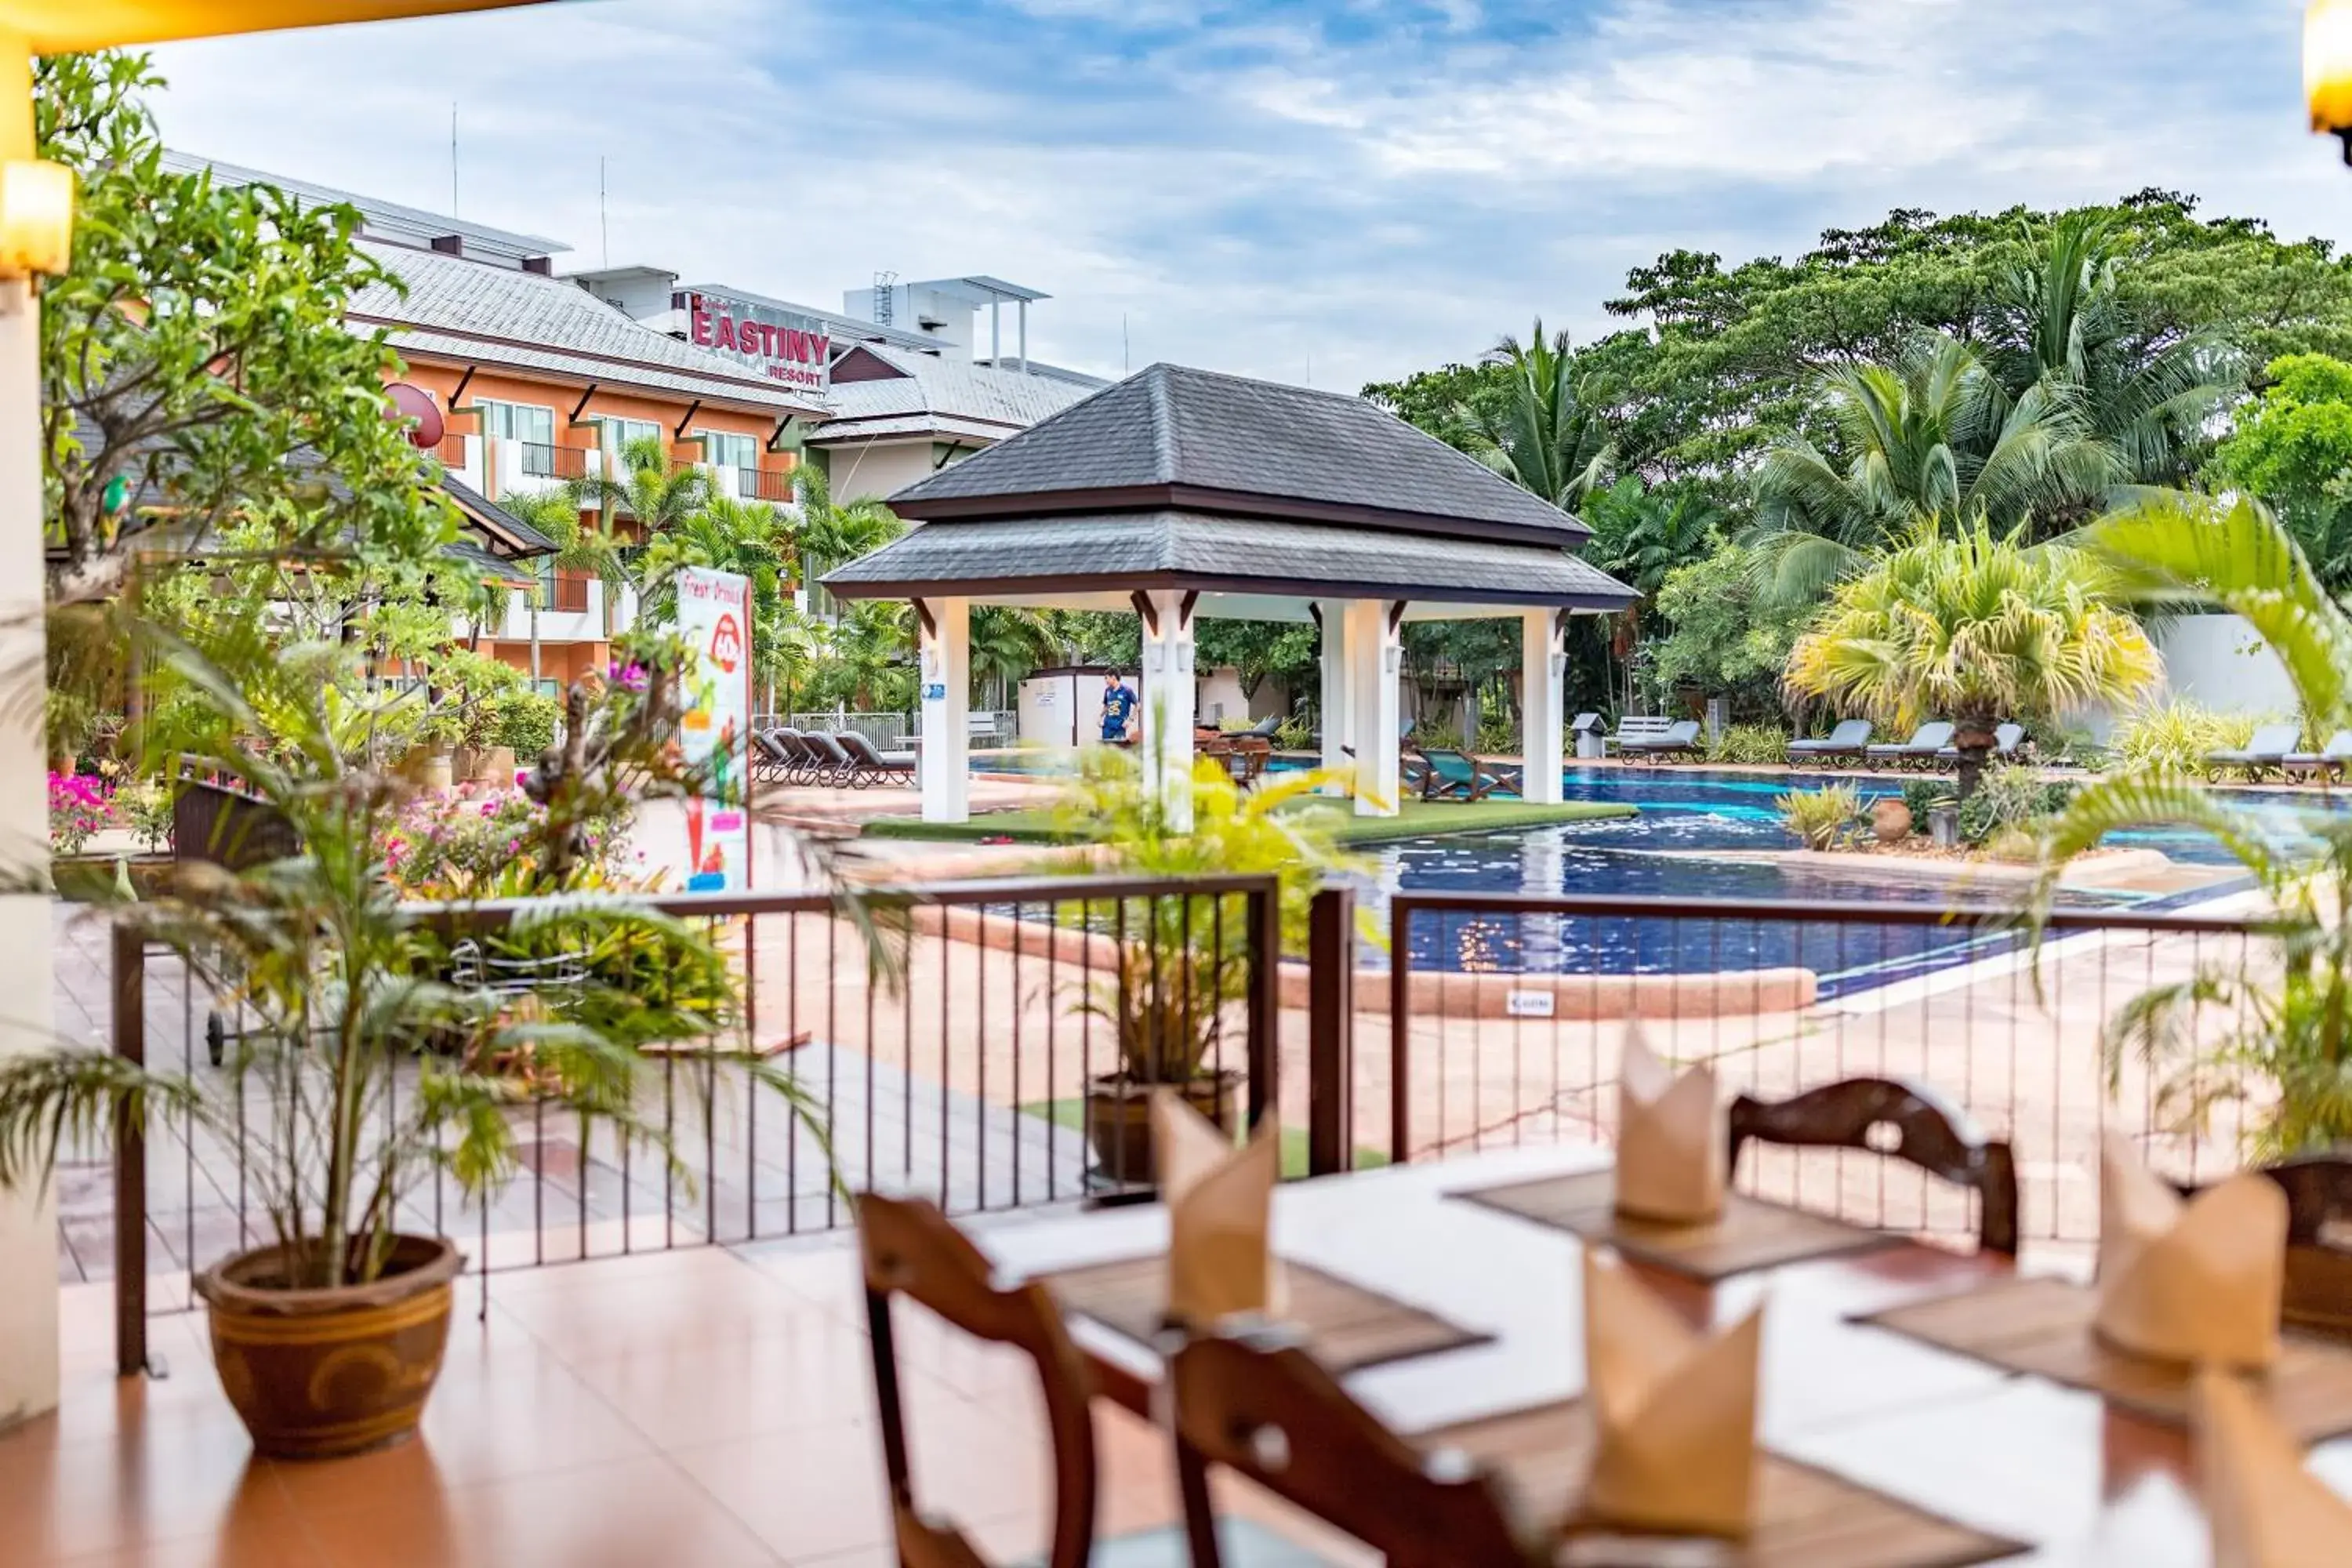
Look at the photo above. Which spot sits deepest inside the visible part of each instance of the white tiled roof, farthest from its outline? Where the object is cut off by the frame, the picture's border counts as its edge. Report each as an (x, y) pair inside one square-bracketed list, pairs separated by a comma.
[(948, 398), (470, 309)]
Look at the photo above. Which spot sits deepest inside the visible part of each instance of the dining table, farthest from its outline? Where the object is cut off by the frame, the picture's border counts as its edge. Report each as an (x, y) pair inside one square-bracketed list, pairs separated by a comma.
[(2069, 1478)]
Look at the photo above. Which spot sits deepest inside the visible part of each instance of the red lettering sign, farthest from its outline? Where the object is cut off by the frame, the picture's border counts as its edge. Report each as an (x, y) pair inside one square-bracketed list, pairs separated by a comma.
[(725, 337), (702, 326)]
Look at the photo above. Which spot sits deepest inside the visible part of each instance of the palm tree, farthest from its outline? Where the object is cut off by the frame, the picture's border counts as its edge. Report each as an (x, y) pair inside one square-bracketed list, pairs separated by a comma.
[(1639, 535), (824, 535), (2285, 1046), (1976, 628), (1935, 436), (751, 538), (1007, 643), (1548, 435), (581, 545), (2060, 321)]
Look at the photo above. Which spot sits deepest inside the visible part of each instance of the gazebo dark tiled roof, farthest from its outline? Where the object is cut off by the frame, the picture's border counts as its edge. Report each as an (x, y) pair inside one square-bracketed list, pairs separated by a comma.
[(1204, 441), (1190, 479)]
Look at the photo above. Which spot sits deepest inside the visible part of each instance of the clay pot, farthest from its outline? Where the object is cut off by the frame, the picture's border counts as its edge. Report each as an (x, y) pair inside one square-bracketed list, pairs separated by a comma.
[(1119, 1120), (316, 1373), (1891, 820)]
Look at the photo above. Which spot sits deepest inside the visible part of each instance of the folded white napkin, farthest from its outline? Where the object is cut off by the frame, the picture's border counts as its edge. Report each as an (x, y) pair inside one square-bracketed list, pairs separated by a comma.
[(2195, 1281), (1218, 1199), (1670, 1139), (1673, 1410)]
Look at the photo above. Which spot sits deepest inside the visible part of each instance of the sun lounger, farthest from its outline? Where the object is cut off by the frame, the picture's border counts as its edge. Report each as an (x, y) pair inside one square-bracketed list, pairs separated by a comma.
[(771, 763), (2267, 749), (1846, 743), (1447, 775), (833, 767), (1919, 751), (2006, 739), (1640, 730), (1680, 739), (2327, 763), (874, 766)]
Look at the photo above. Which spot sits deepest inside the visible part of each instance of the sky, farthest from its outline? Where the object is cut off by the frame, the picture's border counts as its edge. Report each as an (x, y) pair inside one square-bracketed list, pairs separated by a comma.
[(1329, 192)]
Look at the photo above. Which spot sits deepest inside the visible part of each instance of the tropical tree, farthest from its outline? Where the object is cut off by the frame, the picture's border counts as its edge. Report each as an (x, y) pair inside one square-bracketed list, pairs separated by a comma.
[(2293, 451), (583, 543), (751, 538), (1639, 537), (652, 489), (2284, 1046), (1547, 434), (1976, 628), (826, 535), (1935, 436), (1007, 643)]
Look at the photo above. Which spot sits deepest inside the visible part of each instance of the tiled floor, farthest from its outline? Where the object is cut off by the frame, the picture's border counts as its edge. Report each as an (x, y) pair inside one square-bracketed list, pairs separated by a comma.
[(683, 1408)]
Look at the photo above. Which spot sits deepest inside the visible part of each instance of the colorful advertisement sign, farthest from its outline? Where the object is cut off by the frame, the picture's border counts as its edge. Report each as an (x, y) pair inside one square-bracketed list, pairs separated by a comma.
[(714, 618)]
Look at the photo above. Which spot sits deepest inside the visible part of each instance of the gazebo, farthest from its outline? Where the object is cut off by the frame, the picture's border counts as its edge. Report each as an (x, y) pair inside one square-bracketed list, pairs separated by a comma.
[(1181, 494)]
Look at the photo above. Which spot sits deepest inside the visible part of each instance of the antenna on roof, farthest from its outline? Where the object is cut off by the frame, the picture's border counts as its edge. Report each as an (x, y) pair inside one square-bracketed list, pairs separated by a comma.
[(452, 157), (604, 222), (1122, 343)]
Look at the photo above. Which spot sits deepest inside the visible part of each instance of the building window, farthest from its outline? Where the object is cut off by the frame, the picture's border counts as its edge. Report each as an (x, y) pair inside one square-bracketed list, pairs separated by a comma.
[(516, 421), (621, 434), (724, 451)]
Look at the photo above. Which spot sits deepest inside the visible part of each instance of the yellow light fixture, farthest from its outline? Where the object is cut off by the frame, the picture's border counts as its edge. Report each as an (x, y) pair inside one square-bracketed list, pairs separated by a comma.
[(2328, 68), (37, 215)]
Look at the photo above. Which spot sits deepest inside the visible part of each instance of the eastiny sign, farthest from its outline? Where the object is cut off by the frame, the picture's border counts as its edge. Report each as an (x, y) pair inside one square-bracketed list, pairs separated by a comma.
[(795, 349)]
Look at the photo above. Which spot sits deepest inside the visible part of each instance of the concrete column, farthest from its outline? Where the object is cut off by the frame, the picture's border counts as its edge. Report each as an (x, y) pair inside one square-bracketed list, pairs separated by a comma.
[(946, 674), (1376, 658), (1169, 700), (1543, 704), (1336, 703)]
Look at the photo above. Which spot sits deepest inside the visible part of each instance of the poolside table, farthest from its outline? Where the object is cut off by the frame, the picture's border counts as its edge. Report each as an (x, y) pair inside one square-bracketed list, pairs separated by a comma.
[(2015, 1456)]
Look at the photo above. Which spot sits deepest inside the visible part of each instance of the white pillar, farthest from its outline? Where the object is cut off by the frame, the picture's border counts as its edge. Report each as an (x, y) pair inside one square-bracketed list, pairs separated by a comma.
[(1376, 660), (946, 674), (1543, 704), (1337, 708), (1169, 700), (29, 1224)]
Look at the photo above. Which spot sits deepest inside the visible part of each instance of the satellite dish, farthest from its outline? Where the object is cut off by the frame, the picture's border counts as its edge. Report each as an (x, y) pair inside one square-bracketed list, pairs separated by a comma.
[(412, 407)]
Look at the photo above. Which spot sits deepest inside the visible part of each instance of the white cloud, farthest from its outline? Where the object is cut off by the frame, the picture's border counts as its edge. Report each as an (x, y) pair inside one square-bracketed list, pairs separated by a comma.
[(1250, 190)]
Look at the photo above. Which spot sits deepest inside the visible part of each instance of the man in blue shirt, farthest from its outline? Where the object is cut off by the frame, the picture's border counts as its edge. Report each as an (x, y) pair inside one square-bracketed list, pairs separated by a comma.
[(1118, 706)]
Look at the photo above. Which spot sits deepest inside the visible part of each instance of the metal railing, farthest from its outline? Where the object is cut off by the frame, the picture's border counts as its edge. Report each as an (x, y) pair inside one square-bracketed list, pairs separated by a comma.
[(545, 460), (947, 1040), (764, 484), (1501, 1019)]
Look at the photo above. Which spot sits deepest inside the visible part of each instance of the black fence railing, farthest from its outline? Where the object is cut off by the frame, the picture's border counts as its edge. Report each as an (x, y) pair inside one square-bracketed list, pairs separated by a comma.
[(962, 1040), (1501, 1019)]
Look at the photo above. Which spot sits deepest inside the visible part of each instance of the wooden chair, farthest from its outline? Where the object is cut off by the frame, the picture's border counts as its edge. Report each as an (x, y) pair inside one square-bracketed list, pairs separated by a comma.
[(1927, 1131), (910, 1250), (1259, 1405), (2318, 1285)]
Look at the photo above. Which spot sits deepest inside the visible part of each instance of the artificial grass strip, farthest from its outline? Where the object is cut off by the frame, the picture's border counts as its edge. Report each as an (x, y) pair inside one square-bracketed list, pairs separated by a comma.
[(1420, 819)]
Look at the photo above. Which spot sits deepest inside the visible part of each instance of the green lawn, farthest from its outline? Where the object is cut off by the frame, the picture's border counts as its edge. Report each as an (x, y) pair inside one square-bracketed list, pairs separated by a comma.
[(1420, 819), (1072, 1113)]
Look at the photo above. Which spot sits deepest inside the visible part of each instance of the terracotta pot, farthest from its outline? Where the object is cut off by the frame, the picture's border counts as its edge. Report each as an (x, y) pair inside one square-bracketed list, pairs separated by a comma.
[(1890, 818), (315, 1374), (1119, 1120)]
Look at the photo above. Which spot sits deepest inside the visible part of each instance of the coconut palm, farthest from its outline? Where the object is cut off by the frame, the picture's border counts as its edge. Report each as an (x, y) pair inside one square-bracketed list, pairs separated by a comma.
[(2059, 319), (826, 535), (2284, 1048), (1936, 436), (1007, 642), (1975, 627), (751, 538), (1639, 535), (1548, 435)]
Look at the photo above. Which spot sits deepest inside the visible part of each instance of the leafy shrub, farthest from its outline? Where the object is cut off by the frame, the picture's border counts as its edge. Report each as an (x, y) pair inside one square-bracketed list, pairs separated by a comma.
[(1923, 795), (1749, 745), (1296, 733), (2010, 797), (1498, 727), (526, 724), (477, 842), (2175, 736), (1821, 817), (146, 810), (1436, 734)]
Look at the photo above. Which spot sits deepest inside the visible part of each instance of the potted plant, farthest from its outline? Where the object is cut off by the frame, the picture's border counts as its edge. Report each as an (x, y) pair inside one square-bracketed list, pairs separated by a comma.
[(329, 1336), (1182, 963)]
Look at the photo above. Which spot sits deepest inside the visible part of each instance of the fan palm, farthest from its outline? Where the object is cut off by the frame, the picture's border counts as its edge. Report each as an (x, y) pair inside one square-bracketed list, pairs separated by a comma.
[(2286, 1046), (1548, 435), (1976, 628), (1936, 436)]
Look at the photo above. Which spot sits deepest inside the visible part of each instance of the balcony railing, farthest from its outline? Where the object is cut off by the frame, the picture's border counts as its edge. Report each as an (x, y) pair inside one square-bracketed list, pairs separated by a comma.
[(764, 484), (543, 461), (451, 450), (570, 592)]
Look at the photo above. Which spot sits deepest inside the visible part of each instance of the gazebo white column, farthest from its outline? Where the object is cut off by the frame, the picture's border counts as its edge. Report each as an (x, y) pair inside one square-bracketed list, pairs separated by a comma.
[(1168, 701), (1543, 703), (943, 627), (1337, 705), (1375, 659)]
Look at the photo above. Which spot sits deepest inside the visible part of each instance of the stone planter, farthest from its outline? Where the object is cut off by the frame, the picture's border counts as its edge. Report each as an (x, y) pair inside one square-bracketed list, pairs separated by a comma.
[(1119, 1120), (316, 1373), (1890, 819), (1944, 826)]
